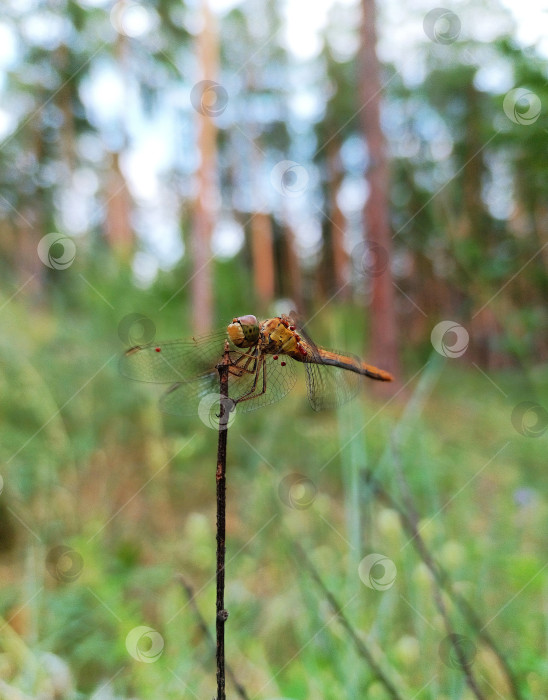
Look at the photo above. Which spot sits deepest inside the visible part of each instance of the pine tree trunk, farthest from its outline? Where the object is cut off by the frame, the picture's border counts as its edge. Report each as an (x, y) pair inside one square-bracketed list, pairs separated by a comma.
[(263, 257), (30, 226), (31, 272), (291, 269), (337, 223), (262, 239), (384, 339), (118, 230), (206, 199)]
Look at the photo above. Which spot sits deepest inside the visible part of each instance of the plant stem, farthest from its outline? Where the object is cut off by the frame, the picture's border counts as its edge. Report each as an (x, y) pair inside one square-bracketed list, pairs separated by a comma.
[(222, 614), (202, 624)]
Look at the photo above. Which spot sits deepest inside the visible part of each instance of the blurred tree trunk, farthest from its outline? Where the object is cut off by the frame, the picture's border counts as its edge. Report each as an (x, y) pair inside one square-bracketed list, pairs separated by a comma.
[(474, 215), (291, 283), (263, 257), (118, 205), (337, 223), (384, 340), (31, 271), (474, 224), (262, 241), (65, 103), (30, 226), (118, 230), (205, 206)]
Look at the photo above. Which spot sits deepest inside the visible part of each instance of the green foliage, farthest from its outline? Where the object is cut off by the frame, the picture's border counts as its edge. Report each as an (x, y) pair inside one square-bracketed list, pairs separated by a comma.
[(89, 463), (100, 470)]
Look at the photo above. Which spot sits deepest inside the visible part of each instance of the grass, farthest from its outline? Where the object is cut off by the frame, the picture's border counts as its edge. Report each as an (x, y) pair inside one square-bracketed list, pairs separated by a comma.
[(93, 465)]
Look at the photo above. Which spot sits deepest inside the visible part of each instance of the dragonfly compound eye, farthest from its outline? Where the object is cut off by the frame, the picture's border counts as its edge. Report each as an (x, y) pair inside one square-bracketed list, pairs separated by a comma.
[(250, 327), (244, 331), (248, 320)]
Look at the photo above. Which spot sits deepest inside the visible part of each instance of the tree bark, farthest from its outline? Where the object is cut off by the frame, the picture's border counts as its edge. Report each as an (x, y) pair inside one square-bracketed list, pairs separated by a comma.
[(262, 239), (263, 257), (384, 340), (206, 199), (291, 283), (118, 229), (337, 224)]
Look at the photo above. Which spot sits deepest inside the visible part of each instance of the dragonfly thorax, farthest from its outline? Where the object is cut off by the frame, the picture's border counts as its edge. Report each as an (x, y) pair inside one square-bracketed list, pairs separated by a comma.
[(276, 337)]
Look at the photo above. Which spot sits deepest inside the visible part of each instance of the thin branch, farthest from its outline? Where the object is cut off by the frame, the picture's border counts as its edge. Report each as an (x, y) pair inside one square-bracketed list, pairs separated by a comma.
[(222, 614), (202, 624)]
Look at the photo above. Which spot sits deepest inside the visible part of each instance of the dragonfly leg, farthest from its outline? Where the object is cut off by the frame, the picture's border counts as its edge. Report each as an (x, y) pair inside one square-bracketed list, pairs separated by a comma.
[(239, 369), (252, 393)]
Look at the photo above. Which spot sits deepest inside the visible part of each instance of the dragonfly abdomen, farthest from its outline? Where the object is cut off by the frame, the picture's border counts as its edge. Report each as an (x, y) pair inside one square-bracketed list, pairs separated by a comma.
[(353, 364)]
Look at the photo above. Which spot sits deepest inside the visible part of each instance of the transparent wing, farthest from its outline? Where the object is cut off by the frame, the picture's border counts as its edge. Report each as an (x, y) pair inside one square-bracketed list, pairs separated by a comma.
[(191, 366), (244, 387), (174, 360), (327, 386), (183, 398), (279, 380)]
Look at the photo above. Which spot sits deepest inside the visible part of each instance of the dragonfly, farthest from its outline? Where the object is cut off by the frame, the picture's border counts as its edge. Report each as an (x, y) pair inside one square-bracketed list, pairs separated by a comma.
[(263, 357)]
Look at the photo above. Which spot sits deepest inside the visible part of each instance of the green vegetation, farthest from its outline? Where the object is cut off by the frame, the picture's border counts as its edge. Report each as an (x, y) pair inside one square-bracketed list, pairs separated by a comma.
[(90, 463), (191, 166)]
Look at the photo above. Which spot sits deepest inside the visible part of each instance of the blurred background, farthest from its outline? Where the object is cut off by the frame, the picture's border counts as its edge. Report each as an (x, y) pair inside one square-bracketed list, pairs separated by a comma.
[(166, 166)]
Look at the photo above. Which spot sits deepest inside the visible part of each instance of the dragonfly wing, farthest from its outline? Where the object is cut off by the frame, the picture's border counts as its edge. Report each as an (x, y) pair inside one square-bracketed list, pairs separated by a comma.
[(277, 380), (175, 360), (185, 398), (329, 387), (191, 367)]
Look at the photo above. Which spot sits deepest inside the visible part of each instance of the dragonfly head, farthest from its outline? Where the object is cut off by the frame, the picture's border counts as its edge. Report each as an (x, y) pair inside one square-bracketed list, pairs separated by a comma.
[(244, 331)]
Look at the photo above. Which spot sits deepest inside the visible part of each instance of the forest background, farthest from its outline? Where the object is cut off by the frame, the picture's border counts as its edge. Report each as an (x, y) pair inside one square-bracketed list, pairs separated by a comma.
[(166, 166)]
